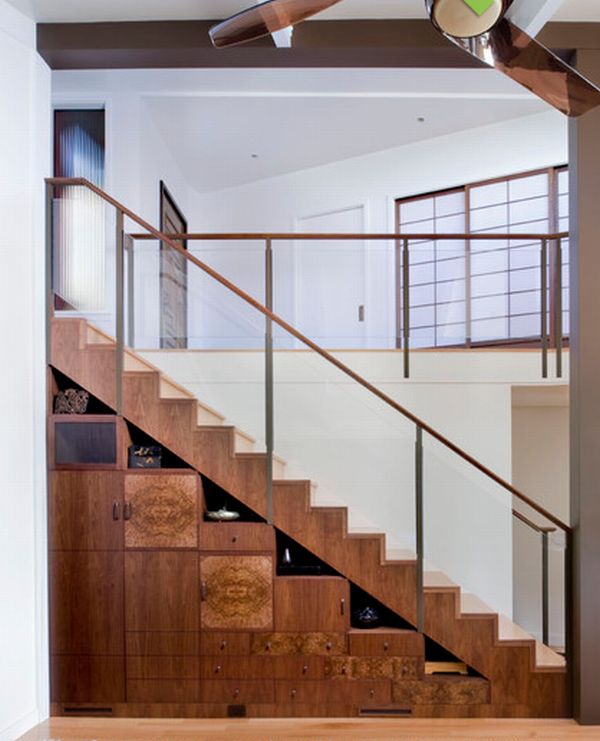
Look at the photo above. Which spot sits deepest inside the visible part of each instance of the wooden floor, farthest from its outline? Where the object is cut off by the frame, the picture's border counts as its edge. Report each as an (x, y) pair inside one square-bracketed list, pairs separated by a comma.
[(84, 729)]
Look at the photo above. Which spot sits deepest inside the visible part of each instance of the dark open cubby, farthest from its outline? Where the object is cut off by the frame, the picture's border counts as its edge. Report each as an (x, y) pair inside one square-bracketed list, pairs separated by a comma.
[(303, 562), (215, 498), (62, 383)]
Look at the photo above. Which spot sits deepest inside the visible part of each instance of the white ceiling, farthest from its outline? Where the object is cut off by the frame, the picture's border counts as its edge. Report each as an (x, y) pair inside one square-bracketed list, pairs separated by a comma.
[(212, 121), (124, 10)]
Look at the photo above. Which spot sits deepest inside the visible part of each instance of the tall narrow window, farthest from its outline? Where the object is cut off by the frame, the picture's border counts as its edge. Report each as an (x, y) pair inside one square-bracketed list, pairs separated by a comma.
[(80, 257)]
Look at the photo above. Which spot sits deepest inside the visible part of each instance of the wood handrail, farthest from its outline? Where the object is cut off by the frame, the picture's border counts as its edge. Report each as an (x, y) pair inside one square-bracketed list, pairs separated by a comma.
[(399, 237), (166, 239), (531, 523)]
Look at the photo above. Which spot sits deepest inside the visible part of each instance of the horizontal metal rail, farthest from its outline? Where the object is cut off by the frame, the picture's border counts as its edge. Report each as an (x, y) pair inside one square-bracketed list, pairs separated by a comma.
[(169, 240)]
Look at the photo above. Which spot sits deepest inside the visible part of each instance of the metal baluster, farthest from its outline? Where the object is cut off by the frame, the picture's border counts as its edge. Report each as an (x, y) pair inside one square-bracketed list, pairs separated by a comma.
[(120, 319), (269, 379), (420, 539), (545, 588), (558, 308), (544, 306), (406, 308), (130, 247)]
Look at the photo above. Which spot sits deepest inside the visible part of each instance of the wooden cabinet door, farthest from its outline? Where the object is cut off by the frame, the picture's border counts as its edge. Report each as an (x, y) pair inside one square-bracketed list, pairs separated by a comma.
[(85, 510), (161, 510), (237, 592), (161, 591), (86, 603), (312, 604)]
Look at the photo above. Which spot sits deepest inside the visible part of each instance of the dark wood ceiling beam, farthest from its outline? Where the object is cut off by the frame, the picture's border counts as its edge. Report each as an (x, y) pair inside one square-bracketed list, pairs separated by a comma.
[(341, 44)]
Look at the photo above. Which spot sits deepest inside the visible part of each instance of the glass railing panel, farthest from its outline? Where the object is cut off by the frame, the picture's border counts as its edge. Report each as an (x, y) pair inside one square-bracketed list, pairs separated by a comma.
[(473, 537), (83, 256), (356, 449), (202, 336)]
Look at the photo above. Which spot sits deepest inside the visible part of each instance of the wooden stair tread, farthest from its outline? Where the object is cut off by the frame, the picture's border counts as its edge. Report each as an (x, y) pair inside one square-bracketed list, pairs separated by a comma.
[(437, 579), (470, 604)]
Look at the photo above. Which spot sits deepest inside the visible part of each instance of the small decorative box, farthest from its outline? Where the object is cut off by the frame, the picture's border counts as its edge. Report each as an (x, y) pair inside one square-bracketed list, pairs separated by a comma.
[(145, 456)]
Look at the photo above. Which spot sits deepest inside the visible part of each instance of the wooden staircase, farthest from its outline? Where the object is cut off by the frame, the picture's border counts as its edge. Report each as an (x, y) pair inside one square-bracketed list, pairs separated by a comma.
[(527, 679)]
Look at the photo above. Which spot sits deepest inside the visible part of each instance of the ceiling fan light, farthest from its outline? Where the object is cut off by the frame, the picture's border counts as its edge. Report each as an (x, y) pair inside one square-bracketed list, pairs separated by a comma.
[(457, 19)]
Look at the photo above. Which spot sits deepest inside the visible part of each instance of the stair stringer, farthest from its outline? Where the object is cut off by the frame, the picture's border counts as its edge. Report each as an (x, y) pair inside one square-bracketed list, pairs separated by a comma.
[(518, 687)]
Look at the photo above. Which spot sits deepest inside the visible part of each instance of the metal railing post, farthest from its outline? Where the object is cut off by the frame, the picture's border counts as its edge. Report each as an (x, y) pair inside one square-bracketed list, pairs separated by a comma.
[(119, 313), (545, 589), (130, 247), (49, 265), (558, 303), (269, 379), (420, 534), (544, 306), (406, 308)]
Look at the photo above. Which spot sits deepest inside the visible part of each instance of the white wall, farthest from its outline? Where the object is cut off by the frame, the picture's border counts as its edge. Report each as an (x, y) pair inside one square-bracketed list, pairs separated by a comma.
[(361, 454), (540, 442), (24, 161)]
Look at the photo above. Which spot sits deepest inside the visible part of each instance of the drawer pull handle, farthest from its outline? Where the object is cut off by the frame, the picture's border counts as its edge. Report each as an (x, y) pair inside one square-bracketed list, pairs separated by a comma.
[(371, 693), (234, 539), (116, 515), (268, 646), (293, 694), (203, 591), (404, 670), (305, 669), (218, 669), (328, 646), (342, 606), (236, 693), (127, 511), (223, 645), (386, 646)]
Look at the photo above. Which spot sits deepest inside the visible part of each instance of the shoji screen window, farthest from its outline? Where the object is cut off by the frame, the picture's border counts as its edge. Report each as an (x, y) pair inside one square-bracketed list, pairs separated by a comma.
[(437, 269)]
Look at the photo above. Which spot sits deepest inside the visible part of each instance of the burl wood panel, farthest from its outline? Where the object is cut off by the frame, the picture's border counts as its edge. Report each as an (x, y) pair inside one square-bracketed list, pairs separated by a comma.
[(310, 604), (236, 536), (162, 643), (282, 644), (164, 510), (442, 691), (86, 602), (238, 592), (352, 667), (161, 591), (381, 642), (88, 679), (82, 506)]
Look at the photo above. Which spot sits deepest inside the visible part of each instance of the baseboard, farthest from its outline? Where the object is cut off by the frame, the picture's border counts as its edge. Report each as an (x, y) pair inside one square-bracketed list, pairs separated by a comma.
[(26, 723)]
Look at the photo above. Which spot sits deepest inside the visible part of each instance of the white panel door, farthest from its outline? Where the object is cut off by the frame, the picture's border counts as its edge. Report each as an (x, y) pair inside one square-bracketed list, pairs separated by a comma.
[(330, 280)]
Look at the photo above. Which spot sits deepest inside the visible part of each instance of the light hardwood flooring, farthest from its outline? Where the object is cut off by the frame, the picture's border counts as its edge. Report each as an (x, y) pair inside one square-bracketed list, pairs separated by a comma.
[(85, 729)]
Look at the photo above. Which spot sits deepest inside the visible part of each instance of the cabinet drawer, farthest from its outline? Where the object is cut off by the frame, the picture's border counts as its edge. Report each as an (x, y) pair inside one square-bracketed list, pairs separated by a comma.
[(262, 667), (287, 644), (162, 667), (443, 691), (311, 603), (225, 644), (236, 536), (238, 692), (162, 643), (362, 693), (386, 643), (346, 667), (162, 690)]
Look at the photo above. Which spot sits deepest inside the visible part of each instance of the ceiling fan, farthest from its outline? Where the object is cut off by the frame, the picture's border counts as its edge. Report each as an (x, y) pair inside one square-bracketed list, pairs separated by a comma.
[(480, 27)]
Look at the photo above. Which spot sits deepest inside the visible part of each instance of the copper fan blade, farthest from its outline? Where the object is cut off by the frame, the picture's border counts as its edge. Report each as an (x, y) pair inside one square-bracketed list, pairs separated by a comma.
[(526, 61), (264, 19)]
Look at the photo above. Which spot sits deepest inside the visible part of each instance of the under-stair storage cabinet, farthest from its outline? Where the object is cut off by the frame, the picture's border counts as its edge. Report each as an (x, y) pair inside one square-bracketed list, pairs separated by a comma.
[(312, 604), (86, 586)]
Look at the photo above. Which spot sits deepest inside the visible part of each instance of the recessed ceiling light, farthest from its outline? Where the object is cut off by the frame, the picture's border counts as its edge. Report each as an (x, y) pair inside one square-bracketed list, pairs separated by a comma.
[(421, 119), (254, 156)]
